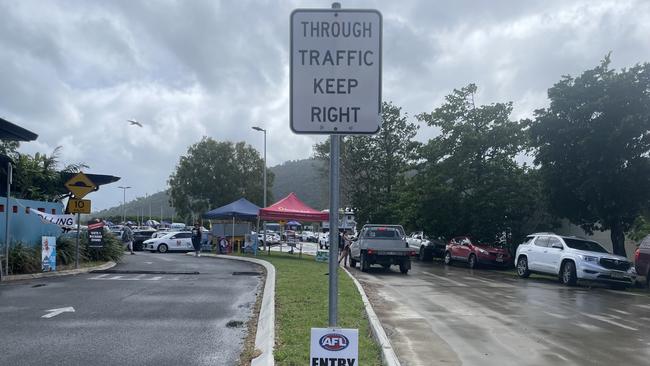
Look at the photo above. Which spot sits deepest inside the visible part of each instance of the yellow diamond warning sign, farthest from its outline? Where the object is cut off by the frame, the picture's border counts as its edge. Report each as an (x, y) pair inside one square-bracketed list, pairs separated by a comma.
[(80, 185)]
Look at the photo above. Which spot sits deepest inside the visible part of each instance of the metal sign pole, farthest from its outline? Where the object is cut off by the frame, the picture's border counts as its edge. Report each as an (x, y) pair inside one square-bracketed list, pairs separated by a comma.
[(9, 179), (334, 229), (76, 262)]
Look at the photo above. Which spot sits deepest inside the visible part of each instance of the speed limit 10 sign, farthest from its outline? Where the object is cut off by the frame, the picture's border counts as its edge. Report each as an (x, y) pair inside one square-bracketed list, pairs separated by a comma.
[(76, 205)]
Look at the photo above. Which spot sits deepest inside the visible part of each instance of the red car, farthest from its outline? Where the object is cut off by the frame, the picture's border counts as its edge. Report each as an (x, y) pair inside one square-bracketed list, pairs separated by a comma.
[(462, 248), (642, 260)]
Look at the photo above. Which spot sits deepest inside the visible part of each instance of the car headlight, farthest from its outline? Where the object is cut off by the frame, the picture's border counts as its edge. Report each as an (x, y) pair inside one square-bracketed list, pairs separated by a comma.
[(589, 258), (482, 251)]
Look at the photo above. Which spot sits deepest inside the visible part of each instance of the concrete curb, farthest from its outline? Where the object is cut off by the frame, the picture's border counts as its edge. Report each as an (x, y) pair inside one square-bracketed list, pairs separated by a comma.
[(265, 336), (387, 353), (69, 272)]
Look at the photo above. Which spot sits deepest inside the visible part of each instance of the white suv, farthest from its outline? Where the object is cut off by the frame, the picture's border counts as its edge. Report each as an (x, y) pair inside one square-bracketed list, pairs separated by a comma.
[(572, 259)]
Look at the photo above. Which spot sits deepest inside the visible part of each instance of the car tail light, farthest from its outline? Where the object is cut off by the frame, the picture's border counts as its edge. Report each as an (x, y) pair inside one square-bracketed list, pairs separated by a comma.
[(370, 251), (413, 253), (637, 253)]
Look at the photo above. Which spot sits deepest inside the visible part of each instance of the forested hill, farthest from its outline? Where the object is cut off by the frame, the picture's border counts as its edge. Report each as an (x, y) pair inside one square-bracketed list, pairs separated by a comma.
[(142, 206), (305, 178)]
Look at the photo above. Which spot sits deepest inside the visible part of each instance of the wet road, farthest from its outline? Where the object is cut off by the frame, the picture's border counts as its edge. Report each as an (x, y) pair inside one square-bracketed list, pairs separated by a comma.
[(136, 317), (457, 316)]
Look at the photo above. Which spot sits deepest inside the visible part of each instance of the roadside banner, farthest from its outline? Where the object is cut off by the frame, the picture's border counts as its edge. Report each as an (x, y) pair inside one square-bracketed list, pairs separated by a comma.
[(322, 255), (334, 346), (96, 235), (48, 253), (64, 221)]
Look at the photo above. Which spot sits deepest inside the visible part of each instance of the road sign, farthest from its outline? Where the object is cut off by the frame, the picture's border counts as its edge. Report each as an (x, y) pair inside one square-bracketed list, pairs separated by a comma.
[(96, 235), (80, 185), (332, 346), (335, 71), (76, 205)]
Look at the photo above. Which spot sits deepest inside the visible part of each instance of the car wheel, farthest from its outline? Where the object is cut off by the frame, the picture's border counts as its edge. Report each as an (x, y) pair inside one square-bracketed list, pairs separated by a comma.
[(353, 263), (421, 255), (364, 263), (403, 268), (162, 248), (522, 267), (472, 261), (647, 279), (386, 267), (568, 276), (448, 259)]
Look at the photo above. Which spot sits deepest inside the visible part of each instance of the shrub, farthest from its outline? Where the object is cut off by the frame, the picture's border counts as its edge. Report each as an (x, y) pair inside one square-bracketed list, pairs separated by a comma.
[(24, 259)]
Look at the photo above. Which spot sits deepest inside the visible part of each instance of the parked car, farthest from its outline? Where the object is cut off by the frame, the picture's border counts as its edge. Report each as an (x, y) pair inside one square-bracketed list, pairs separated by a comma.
[(572, 259), (140, 235), (642, 260), (381, 244), (173, 240), (324, 240), (308, 236), (271, 237), (464, 249), (428, 248)]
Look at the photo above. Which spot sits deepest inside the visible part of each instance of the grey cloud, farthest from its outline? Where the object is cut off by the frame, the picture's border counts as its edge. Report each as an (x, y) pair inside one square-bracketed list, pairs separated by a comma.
[(74, 70)]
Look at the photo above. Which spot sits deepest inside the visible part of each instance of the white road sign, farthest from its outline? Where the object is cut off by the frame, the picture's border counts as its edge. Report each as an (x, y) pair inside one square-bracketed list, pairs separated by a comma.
[(336, 71), (334, 346)]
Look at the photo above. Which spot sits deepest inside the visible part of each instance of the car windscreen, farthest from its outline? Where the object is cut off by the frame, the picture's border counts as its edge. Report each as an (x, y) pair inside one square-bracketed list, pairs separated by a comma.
[(590, 246), (382, 233)]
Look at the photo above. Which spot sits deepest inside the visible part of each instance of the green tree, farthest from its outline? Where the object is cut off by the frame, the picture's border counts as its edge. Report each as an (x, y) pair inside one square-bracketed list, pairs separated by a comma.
[(39, 177), (215, 173), (373, 167), (468, 181), (592, 145)]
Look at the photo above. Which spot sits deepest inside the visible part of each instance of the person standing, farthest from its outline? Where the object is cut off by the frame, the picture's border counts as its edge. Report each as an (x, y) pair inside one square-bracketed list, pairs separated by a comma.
[(345, 253), (127, 237), (223, 245), (196, 239)]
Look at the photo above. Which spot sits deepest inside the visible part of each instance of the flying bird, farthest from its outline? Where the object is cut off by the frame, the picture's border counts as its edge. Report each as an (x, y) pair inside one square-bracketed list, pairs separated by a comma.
[(134, 122)]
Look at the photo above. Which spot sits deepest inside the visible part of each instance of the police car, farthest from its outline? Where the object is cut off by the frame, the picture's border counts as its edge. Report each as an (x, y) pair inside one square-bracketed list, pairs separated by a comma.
[(173, 240)]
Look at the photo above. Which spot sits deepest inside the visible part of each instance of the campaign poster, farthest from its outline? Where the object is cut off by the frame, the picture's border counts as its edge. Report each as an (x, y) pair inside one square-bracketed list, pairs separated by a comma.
[(48, 253)]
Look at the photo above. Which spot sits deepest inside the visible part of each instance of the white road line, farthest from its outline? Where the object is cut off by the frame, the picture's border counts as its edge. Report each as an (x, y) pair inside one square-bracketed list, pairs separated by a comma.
[(490, 283), (478, 279), (154, 278), (589, 327), (603, 319), (556, 315), (621, 312), (175, 278), (459, 284), (644, 306), (99, 277), (624, 293), (139, 276), (115, 278)]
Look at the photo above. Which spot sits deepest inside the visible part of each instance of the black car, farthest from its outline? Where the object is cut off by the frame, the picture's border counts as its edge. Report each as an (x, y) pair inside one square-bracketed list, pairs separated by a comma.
[(139, 236)]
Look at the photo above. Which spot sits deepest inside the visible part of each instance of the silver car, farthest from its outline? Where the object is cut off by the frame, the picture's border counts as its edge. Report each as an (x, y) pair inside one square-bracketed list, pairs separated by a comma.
[(572, 259)]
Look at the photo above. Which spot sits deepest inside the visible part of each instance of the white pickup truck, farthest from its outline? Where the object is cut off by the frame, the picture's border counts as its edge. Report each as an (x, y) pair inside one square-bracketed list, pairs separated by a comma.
[(381, 244)]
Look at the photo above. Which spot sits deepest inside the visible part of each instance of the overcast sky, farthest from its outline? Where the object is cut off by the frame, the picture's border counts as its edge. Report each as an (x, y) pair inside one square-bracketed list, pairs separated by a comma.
[(74, 71)]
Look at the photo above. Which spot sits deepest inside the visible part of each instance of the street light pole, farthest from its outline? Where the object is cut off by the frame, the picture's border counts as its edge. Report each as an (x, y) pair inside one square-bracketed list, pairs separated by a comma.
[(264, 130), (124, 188)]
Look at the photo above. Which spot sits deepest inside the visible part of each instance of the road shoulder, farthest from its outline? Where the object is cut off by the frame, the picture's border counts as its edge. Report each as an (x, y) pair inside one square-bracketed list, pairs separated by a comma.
[(69, 272)]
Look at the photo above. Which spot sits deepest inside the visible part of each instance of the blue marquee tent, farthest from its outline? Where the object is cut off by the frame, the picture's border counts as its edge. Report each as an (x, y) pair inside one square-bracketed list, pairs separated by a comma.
[(240, 209)]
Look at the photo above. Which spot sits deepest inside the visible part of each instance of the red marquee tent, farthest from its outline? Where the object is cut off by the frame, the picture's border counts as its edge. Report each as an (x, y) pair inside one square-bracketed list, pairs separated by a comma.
[(292, 208)]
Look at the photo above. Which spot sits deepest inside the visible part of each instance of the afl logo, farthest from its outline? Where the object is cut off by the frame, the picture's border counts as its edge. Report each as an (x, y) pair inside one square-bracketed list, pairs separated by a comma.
[(334, 342)]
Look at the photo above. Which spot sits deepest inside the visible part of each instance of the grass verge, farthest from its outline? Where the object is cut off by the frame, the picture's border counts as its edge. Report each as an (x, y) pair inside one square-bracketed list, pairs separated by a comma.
[(301, 303)]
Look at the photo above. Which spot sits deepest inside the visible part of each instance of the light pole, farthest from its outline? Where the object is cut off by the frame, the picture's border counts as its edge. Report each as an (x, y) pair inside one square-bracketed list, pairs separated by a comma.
[(263, 130), (124, 188)]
